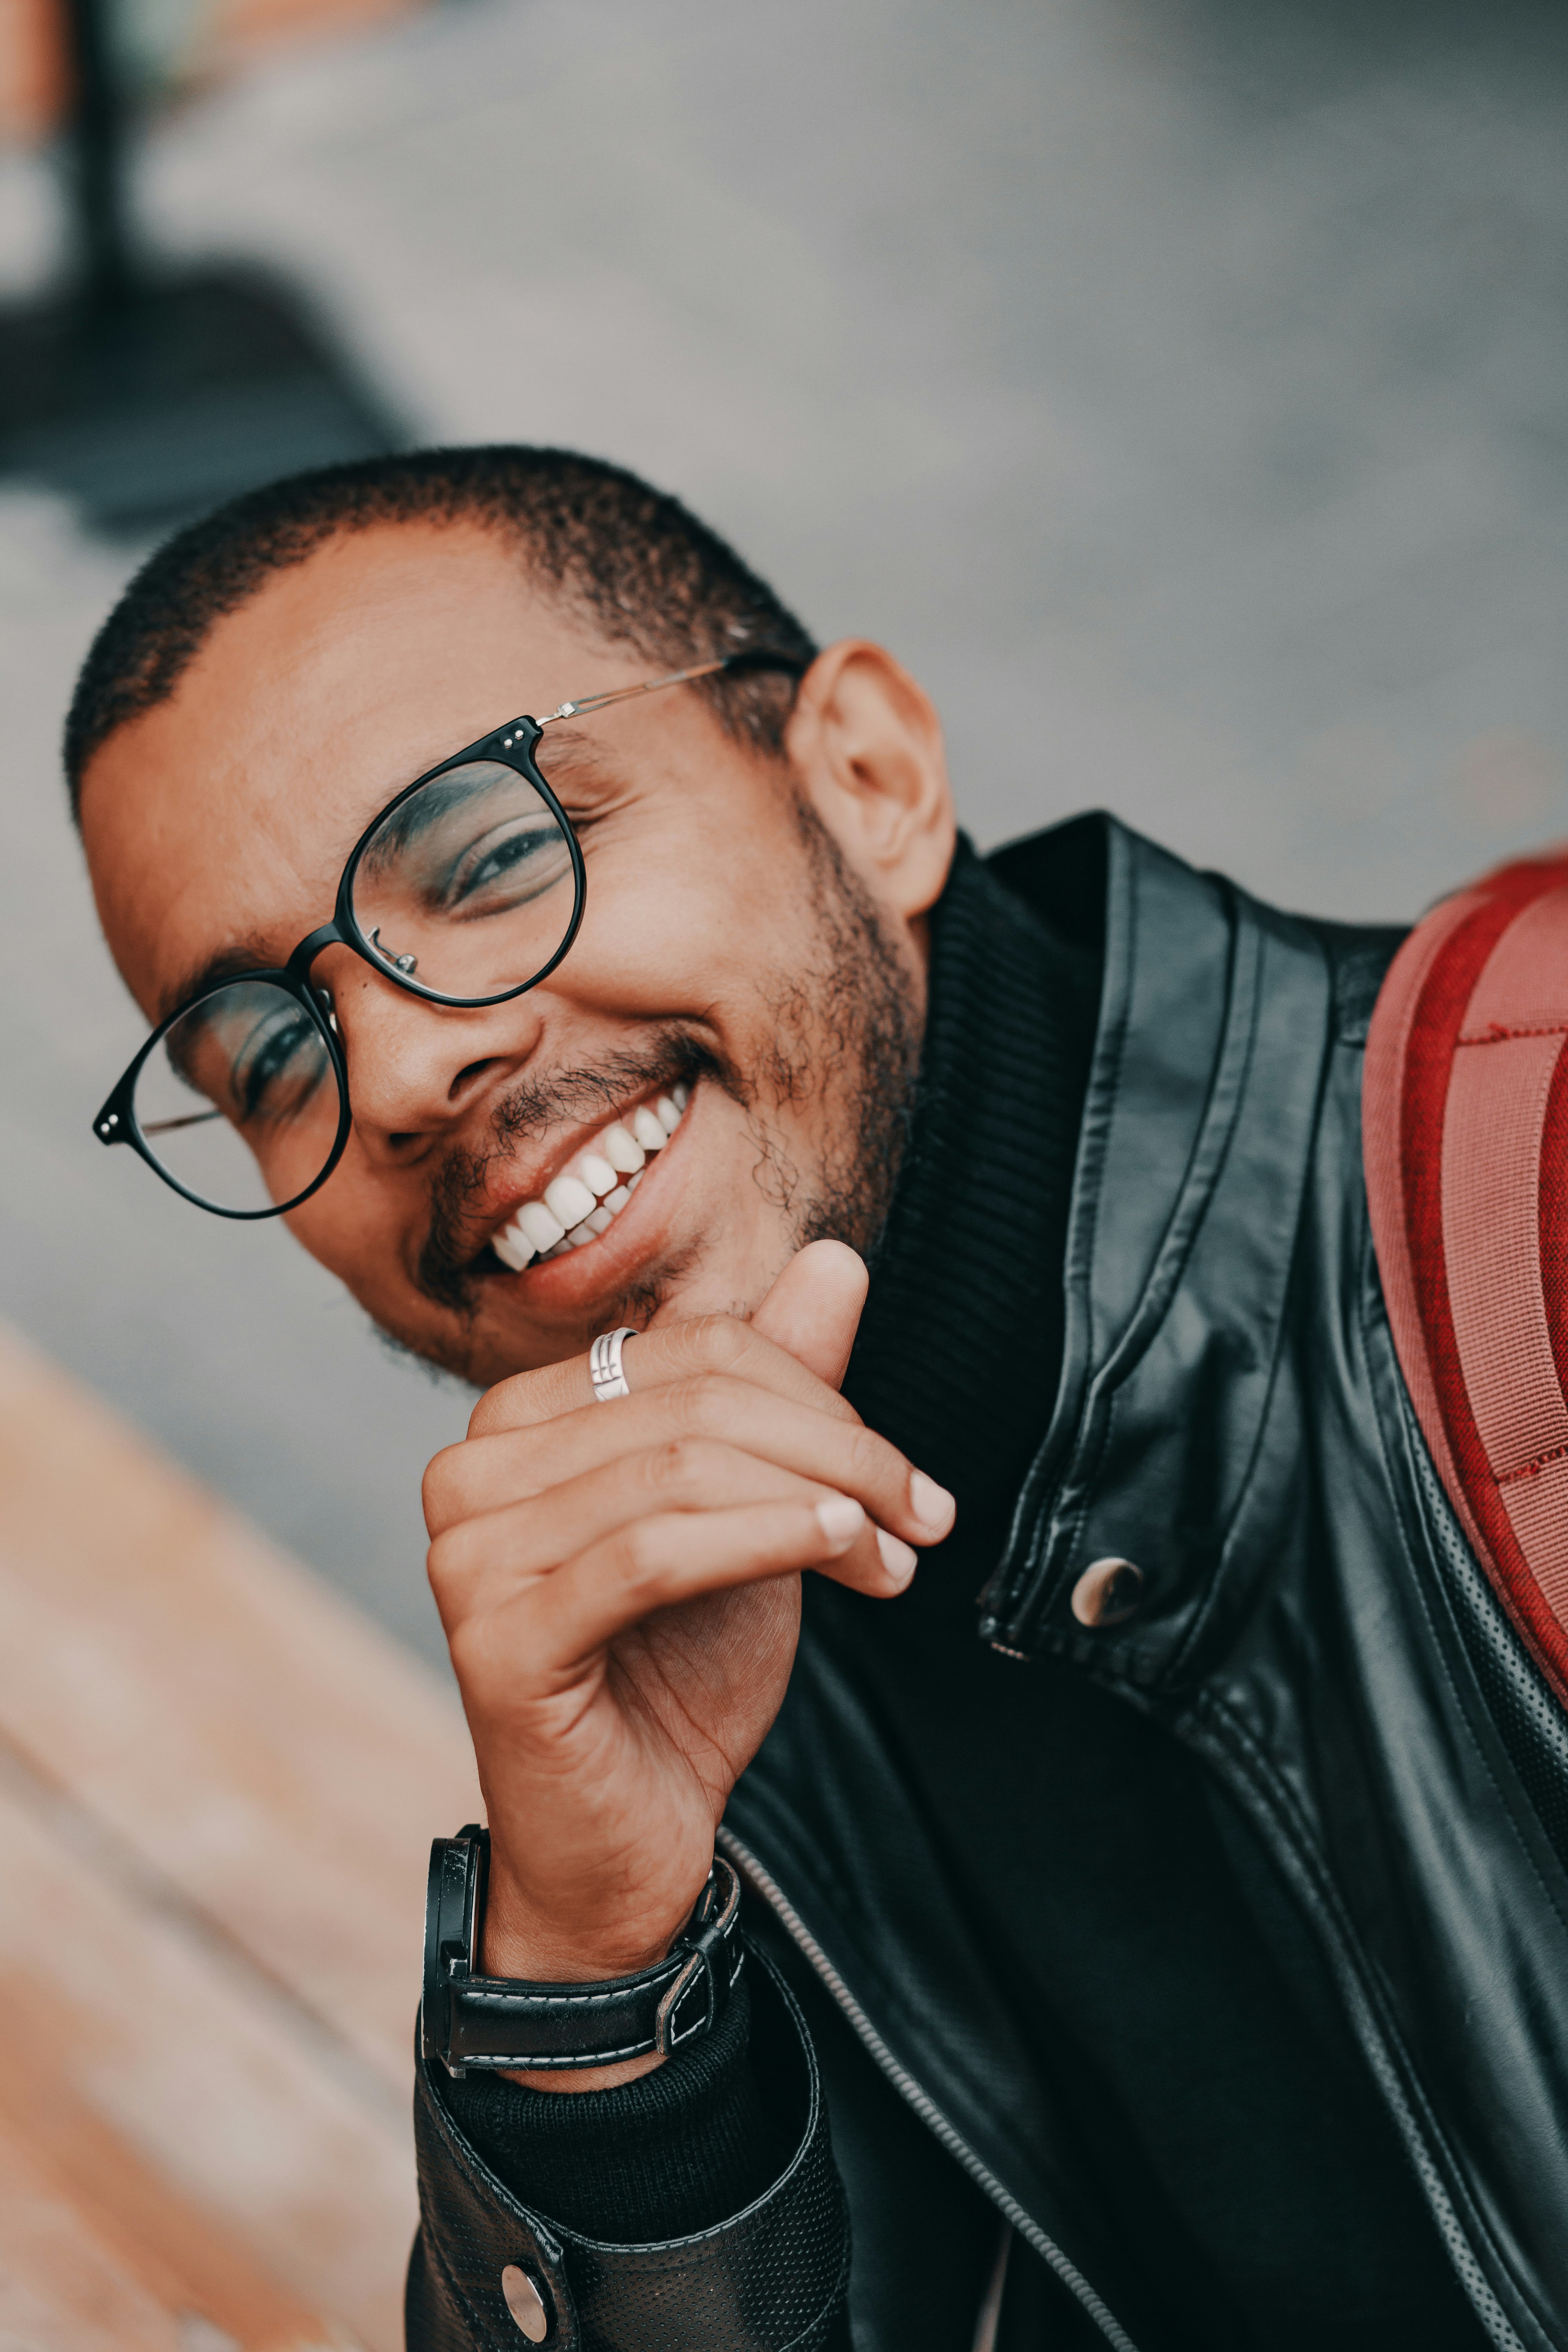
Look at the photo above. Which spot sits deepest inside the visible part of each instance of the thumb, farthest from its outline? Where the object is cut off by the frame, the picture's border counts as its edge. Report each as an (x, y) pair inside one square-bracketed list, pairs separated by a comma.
[(813, 1310)]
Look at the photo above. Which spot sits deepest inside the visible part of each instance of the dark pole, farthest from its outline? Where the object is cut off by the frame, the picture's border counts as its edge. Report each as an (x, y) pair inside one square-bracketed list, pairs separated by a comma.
[(96, 148), (145, 391)]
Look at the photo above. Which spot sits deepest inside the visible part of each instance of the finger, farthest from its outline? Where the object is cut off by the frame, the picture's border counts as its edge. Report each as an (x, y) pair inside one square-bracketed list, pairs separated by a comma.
[(532, 1538), (658, 1563), (486, 1474), (813, 1310), (673, 1351)]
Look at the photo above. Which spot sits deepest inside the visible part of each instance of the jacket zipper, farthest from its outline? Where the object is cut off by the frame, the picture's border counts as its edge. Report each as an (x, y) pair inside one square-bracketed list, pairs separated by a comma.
[(925, 2107)]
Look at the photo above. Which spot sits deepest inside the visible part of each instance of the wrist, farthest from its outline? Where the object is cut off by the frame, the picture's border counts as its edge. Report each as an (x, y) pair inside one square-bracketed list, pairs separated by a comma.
[(518, 1941), (518, 2003), (512, 1945)]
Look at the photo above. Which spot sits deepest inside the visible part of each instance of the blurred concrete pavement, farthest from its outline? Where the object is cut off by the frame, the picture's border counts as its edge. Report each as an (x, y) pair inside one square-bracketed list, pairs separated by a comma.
[(1178, 388)]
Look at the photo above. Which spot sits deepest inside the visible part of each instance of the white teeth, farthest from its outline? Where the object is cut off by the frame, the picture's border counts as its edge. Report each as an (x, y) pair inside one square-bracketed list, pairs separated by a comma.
[(534, 1221), (622, 1149), (584, 1203), (569, 1200)]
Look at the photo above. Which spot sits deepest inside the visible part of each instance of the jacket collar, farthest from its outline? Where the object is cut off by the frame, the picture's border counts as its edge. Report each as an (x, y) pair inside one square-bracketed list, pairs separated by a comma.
[(1199, 1124)]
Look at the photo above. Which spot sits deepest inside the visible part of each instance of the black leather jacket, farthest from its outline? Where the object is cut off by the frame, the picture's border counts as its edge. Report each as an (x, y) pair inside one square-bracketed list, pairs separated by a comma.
[(1230, 1419)]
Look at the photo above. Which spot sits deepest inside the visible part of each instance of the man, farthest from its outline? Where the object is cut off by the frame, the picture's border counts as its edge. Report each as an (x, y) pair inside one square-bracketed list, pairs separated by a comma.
[(1169, 1952)]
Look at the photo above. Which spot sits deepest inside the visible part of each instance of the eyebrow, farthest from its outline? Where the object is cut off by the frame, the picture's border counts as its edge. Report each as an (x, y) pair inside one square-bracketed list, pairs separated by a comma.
[(571, 745), (235, 961)]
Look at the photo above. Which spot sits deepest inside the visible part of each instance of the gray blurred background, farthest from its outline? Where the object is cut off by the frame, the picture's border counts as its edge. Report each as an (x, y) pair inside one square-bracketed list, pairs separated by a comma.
[(1177, 386)]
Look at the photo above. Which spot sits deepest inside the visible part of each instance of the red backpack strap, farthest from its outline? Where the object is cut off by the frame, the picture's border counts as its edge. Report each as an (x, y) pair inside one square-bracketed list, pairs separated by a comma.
[(1466, 1138)]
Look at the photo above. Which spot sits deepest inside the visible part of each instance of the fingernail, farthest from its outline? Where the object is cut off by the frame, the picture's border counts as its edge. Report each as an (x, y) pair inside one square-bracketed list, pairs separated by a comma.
[(841, 1520), (932, 1504), (898, 1558)]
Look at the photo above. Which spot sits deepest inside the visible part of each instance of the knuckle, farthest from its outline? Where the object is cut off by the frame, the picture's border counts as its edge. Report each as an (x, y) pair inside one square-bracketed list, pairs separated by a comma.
[(462, 1556), (434, 1492), (702, 1405), (642, 1555), (472, 1647), (446, 1562), (489, 1413), (438, 1488), (680, 1467), (467, 1647), (710, 1342), (872, 1458), (514, 1403)]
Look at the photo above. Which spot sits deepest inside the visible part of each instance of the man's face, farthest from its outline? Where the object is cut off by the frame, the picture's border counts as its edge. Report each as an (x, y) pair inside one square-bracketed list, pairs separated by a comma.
[(747, 945)]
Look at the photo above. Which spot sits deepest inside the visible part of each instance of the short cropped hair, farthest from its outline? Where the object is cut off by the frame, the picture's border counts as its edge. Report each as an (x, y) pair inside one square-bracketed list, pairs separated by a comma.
[(630, 559)]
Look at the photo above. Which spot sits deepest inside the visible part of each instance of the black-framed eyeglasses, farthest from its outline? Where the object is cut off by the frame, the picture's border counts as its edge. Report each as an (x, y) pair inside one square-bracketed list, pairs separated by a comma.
[(466, 889)]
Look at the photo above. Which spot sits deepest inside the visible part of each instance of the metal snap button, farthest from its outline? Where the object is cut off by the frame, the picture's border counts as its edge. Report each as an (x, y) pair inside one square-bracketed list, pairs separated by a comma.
[(525, 2303), (1108, 1592)]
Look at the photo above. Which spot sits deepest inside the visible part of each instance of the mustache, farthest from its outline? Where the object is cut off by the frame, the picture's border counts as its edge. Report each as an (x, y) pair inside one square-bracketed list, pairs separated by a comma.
[(444, 1271)]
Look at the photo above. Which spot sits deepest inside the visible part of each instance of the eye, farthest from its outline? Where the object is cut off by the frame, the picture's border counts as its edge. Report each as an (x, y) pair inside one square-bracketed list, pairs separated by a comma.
[(507, 866), (500, 852), (277, 1068)]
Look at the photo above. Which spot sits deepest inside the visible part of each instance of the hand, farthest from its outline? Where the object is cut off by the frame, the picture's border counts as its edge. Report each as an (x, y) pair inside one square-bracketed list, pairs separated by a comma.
[(620, 1589)]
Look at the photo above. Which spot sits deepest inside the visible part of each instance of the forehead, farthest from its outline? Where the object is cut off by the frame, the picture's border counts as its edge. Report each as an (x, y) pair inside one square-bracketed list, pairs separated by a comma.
[(218, 814)]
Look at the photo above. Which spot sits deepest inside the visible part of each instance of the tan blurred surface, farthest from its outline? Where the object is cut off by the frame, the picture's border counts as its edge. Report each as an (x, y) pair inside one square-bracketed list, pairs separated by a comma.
[(33, 74), (218, 1787)]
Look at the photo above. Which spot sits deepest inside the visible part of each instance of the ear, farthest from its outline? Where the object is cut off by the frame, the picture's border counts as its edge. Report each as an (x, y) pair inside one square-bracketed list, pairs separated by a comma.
[(866, 745)]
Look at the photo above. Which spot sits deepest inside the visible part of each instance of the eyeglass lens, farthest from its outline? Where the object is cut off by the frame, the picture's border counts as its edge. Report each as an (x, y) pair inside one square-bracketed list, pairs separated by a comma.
[(467, 887), (239, 1101)]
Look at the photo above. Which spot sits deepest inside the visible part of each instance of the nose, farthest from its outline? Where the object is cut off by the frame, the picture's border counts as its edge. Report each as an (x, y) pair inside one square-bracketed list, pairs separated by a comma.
[(420, 1072)]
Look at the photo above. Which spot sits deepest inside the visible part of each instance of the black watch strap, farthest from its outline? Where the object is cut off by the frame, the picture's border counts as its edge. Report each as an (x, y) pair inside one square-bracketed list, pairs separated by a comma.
[(467, 2020)]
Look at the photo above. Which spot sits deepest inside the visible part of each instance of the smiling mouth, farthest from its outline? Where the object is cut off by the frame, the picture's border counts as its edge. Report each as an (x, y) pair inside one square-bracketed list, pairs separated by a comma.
[(590, 1192)]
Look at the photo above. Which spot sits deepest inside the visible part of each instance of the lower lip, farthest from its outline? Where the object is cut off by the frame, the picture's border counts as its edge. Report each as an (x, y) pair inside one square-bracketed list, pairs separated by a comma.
[(609, 1261)]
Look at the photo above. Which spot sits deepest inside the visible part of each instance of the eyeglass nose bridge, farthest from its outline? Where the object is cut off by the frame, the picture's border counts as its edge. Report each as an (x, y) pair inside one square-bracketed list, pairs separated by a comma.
[(334, 935), (328, 935)]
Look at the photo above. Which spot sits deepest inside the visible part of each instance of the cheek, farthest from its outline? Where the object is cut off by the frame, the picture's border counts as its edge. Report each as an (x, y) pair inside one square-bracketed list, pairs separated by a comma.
[(350, 1228), (676, 916)]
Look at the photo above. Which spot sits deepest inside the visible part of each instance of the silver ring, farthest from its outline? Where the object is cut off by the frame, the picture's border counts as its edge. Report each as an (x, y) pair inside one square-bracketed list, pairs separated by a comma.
[(604, 1364)]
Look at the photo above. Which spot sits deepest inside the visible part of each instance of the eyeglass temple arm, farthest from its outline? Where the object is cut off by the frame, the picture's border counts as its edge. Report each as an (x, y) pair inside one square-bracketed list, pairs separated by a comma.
[(759, 655)]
